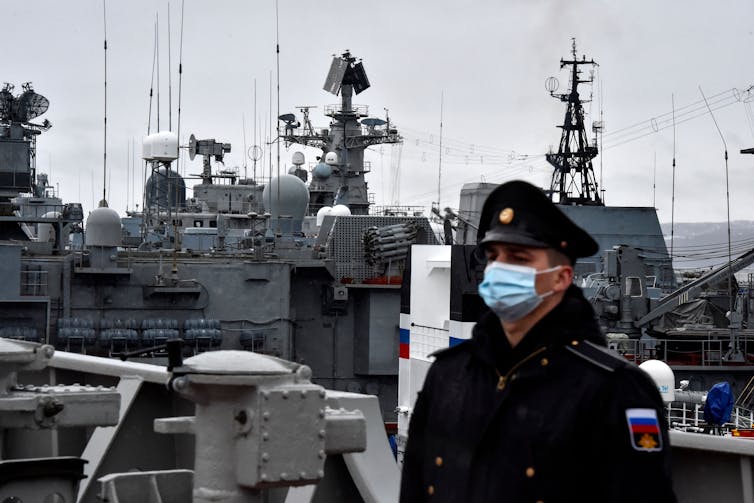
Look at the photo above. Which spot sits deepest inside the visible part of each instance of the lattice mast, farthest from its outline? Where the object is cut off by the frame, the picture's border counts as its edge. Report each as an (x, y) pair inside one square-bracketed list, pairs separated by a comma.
[(573, 179)]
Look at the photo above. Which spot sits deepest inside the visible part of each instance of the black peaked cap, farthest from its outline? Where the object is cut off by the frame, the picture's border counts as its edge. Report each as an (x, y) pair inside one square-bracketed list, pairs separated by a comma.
[(517, 212)]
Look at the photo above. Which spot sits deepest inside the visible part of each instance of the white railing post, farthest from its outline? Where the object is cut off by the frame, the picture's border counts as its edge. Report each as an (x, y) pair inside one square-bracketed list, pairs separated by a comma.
[(696, 414)]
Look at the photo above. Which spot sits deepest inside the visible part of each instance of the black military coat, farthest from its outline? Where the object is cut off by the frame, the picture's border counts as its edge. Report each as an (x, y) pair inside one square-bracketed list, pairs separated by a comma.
[(543, 422)]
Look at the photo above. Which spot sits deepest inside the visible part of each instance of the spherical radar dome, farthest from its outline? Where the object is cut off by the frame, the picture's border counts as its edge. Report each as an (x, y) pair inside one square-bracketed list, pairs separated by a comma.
[(322, 171), (322, 213), (341, 210), (293, 197), (663, 377), (331, 158), (103, 228)]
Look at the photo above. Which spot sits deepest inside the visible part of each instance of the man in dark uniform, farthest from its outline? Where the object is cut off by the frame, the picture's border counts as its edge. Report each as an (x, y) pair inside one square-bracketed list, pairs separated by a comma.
[(534, 408)]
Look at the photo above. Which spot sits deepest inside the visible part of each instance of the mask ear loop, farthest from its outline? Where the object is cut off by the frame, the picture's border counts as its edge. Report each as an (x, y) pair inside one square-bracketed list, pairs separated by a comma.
[(544, 271)]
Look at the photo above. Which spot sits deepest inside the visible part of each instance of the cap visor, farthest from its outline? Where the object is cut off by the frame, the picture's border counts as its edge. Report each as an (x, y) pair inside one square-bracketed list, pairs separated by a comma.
[(517, 238)]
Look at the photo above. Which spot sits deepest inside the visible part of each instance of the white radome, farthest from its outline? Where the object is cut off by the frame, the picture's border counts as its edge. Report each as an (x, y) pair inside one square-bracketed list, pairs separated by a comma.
[(663, 377)]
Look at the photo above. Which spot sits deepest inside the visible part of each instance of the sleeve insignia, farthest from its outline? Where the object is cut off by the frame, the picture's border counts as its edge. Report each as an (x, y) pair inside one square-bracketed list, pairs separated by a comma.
[(644, 430)]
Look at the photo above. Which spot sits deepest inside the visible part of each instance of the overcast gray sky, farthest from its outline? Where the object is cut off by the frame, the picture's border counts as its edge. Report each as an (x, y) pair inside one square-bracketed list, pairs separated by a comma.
[(489, 58)]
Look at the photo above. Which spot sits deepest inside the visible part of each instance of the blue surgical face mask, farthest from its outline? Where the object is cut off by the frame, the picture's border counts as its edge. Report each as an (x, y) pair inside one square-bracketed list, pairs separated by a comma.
[(509, 290)]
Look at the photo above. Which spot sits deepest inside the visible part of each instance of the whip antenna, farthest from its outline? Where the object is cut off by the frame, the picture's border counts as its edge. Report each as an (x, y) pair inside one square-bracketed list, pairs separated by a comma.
[(439, 167), (103, 203), (277, 123), (734, 341), (170, 78), (672, 191), (180, 79)]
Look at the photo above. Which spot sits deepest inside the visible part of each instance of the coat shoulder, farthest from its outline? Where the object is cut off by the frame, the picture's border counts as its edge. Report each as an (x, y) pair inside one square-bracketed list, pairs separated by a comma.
[(597, 356), (460, 348)]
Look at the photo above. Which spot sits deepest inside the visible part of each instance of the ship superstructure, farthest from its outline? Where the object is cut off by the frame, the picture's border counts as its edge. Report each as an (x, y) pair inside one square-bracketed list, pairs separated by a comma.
[(239, 265), (339, 176), (30, 211)]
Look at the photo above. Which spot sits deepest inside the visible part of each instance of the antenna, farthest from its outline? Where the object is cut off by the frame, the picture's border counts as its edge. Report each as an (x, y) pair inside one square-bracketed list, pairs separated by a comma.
[(734, 341), (180, 79), (170, 78), (255, 156), (269, 132), (277, 124), (672, 192), (243, 125), (128, 172), (133, 171), (654, 183), (602, 134), (157, 48), (151, 82), (439, 167), (103, 203)]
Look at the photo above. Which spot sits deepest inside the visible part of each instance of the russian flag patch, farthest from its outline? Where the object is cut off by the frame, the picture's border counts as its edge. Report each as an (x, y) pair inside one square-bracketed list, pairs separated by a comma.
[(644, 429)]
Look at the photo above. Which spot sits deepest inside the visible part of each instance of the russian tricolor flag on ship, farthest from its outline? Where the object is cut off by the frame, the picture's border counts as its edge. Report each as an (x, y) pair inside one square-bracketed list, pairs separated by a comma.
[(644, 428), (403, 343)]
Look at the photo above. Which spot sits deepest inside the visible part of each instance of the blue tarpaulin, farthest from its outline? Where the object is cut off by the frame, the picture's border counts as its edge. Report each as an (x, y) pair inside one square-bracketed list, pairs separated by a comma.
[(719, 404)]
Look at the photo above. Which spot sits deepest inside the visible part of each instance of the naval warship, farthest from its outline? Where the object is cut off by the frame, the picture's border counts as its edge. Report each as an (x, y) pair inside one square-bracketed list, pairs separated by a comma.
[(297, 268), (697, 332), (700, 327), (311, 310)]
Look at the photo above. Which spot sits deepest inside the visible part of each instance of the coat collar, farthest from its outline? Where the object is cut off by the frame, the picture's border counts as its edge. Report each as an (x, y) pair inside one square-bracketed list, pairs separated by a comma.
[(572, 319)]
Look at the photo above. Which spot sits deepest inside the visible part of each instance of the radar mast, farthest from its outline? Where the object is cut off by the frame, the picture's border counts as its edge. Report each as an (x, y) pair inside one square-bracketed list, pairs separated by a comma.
[(573, 177), (350, 132)]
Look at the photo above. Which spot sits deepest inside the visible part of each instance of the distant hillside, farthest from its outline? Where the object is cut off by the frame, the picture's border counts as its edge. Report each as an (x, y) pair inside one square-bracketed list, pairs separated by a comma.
[(705, 245)]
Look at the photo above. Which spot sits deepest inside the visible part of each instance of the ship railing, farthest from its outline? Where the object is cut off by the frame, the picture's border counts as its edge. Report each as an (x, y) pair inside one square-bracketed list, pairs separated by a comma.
[(396, 211), (34, 283), (702, 351), (690, 417), (39, 210), (360, 110)]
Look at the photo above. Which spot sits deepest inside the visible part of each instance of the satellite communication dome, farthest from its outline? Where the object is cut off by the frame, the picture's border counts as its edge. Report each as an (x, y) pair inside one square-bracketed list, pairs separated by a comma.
[(331, 158), (103, 228), (293, 200), (162, 146), (322, 171), (322, 213), (298, 158), (341, 210), (663, 377)]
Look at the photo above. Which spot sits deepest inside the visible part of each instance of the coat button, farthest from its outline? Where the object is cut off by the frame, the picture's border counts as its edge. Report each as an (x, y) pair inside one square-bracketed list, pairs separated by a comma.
[(431, 490), (540, 501), (530, 472), (574, 343), (544, 362), (438, 461)]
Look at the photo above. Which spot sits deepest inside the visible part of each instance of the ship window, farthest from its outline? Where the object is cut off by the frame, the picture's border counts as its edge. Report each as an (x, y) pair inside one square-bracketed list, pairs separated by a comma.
[(213, 223), (633, 286), (198, 223)]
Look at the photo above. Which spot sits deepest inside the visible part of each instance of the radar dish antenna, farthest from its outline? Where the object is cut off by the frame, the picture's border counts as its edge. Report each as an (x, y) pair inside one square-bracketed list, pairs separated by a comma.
[(290, 123), (373, 121), (29, 105)]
